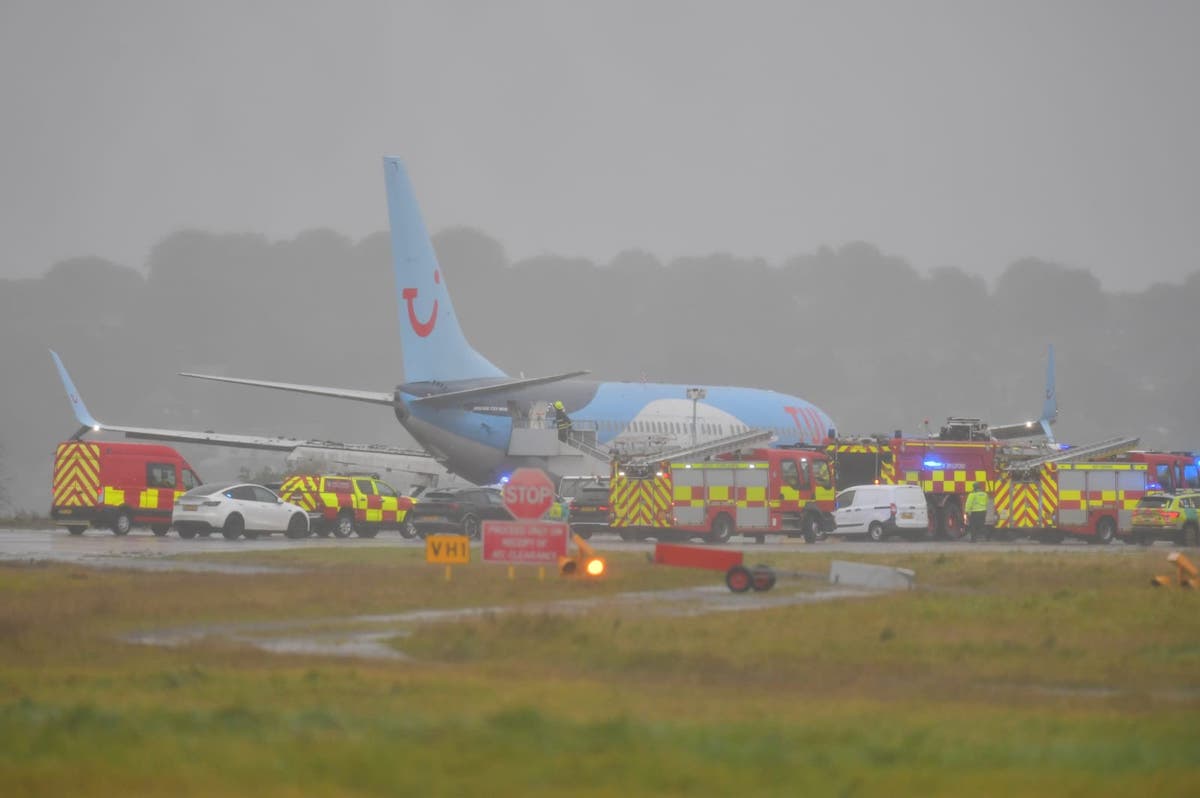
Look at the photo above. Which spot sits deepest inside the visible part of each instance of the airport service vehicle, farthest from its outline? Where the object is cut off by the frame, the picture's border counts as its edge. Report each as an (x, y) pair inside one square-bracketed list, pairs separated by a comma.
[(1166, 516), (347, 504), (458, 511), (878, 511), (237, 509), (589, 509), (569, 486), (783, 491), (118, 485)]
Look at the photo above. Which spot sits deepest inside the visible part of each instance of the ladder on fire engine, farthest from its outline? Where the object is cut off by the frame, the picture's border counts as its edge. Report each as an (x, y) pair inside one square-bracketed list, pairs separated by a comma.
[(742, 440), (1100, 449), (574, 439)]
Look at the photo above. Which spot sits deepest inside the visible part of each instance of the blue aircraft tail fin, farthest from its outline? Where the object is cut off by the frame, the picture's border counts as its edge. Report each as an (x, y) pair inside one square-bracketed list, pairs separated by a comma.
[(433, 342), (1050, 406), (86, 420)]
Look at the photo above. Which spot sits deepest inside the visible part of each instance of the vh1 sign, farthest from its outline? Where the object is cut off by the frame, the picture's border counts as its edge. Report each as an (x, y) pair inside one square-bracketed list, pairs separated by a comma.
[(524, 542)]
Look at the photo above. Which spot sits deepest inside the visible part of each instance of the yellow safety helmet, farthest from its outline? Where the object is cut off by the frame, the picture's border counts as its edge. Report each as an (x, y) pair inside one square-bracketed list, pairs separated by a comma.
[(558, 405)]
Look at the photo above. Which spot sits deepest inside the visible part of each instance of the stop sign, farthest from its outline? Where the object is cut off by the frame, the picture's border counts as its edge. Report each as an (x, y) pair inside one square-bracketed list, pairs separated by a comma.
[(528, 493)]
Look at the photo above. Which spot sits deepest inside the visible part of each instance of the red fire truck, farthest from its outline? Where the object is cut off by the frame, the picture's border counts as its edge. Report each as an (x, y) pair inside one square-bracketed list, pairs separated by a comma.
[(946, 470), (1169, 472), (785, 491)]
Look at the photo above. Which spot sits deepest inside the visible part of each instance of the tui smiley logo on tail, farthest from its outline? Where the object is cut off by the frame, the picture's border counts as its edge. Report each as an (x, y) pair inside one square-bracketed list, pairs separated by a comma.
[(421, 328)]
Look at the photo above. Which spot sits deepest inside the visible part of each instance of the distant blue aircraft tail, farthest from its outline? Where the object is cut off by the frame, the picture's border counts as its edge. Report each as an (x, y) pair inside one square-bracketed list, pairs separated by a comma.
[(1050, 405), (434, 345)]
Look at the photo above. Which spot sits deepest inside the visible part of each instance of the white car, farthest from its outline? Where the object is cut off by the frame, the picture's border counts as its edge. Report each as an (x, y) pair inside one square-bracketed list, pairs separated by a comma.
[(881, 510), (236, 509)]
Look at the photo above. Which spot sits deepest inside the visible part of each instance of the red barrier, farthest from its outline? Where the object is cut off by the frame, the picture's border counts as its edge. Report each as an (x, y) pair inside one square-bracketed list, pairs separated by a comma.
[(706, 557)]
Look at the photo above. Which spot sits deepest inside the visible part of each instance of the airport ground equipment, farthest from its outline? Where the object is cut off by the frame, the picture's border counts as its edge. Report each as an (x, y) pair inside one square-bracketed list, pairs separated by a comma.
[(738, 577), (118, 485), (781, 491), (1185, 571), (351, 504)]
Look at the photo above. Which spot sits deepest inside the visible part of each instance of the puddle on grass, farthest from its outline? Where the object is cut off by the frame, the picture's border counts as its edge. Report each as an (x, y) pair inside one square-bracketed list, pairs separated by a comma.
[(367, 635)]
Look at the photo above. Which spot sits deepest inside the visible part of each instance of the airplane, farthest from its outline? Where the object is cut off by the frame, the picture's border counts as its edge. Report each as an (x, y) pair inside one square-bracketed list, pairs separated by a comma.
[(481, 423), (977, 429)]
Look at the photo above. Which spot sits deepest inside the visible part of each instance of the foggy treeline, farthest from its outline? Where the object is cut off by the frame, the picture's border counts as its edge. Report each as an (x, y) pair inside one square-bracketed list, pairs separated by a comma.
[(876, 343)]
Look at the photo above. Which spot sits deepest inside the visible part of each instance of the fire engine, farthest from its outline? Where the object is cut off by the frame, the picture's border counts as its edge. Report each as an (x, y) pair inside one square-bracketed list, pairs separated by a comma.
[(1170, 472), (1092, 500), (1081, 491), (946, 469), (787, 491)]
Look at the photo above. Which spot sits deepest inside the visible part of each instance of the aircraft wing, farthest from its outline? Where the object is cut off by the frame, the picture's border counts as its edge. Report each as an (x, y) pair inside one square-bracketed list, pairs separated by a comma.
[(452, 397), (374, 397), (89, 423), (1024, 429)]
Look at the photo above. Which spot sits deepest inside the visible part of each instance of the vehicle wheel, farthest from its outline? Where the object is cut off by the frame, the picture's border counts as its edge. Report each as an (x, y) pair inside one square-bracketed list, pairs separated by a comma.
[(368, 531), (738, 579), (582, 531), (1106, 530), (187, 533), (122, 523), (234, 526), (760, 539), (76, 530), (875, 532), (297, 527), (470, 526), (421, 533), (160, 529), (762, 577), (407, 530), (1191, 536), (950, 523), (1143, 539), (343, 527), (810, 528), (205, 533), (722, 529), (628, 536), (251, 534)]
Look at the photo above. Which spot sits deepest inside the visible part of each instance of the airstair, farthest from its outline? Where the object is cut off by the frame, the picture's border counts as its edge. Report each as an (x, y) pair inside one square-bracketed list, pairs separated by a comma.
[(1100, 449)]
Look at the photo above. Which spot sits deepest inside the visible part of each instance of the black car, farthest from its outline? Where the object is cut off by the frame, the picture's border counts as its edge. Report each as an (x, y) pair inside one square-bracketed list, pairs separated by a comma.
[(460, 511), (589, 510)]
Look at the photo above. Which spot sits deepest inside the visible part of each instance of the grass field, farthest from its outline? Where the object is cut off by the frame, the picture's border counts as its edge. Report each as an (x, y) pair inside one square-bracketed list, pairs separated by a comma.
[(1006, 674)]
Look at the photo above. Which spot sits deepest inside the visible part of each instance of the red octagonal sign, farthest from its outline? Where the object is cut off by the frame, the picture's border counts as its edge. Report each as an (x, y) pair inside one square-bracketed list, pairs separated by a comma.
[(528, 493)]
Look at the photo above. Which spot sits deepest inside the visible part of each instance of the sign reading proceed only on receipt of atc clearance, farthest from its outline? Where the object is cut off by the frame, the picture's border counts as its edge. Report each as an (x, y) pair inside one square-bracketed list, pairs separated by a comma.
[(528, 540)]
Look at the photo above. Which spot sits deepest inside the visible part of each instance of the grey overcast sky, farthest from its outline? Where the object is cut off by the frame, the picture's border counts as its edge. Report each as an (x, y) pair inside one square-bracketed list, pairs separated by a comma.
[(949, 133)]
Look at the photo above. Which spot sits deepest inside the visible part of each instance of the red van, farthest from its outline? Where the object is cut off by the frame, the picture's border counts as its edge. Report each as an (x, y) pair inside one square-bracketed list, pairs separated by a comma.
[(118, 485)]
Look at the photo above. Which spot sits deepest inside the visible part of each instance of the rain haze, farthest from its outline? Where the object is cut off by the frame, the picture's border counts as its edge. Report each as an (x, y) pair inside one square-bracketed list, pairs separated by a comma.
[(889, 209), (949, 133)]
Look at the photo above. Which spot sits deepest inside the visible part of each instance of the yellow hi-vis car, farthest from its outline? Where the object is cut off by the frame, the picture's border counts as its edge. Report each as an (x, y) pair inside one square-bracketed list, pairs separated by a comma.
[(1167, 516)]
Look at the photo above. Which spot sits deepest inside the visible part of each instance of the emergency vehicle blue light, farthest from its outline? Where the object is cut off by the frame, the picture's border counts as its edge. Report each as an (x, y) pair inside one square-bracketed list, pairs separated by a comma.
[(934, 464), (504, 478)]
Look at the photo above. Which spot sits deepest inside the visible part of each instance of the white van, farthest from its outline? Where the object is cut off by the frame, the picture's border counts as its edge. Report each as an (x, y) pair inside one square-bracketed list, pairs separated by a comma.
[(881, 510)]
